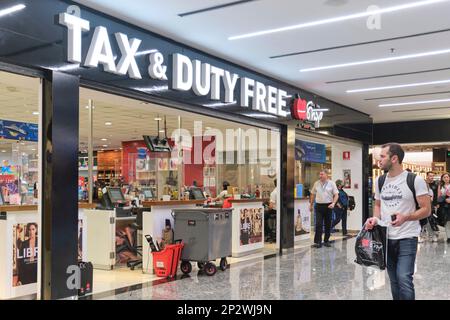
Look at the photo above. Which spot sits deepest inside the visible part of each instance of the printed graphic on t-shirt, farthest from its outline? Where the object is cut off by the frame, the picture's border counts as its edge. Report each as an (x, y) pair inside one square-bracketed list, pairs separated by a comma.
[(391, 195)]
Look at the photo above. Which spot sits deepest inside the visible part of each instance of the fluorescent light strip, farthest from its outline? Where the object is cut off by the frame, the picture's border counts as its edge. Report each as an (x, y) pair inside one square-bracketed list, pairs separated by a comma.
[(15, 8), (418, 84), (338, 19), (412, 103), (358, 63)]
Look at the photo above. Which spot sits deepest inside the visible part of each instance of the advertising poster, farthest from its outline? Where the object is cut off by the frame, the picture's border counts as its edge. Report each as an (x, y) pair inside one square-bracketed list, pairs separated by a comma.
[(347, 178), (310, 152), (18, 130), (251, 225), (125, 243), (25, 253), (302, 220), (9, 186)]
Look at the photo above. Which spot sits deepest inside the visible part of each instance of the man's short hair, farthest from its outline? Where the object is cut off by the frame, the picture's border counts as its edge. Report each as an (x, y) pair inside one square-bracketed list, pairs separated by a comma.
[(430, 172), (395, 150)]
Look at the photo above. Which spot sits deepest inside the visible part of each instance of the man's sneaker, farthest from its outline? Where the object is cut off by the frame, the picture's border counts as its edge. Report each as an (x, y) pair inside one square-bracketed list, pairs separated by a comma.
[(327, 244), (317, 245)]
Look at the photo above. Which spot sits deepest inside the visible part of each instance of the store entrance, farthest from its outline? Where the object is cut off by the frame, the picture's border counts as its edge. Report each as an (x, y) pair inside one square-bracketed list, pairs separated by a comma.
[(141, 164)]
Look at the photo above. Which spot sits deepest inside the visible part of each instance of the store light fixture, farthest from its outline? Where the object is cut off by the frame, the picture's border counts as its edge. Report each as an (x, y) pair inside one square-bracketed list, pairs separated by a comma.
[(158, 119), (108, 123), (413, 103), (408, 85), (12, 9), (105, 146), (104, 139), (35, 113), (358, 63), (338, 19), (4, 151)]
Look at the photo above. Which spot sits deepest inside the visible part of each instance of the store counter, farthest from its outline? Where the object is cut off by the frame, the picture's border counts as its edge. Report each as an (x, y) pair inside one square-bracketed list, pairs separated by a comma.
[(154, 222), (248, 226), (18, 264), (302, 219)]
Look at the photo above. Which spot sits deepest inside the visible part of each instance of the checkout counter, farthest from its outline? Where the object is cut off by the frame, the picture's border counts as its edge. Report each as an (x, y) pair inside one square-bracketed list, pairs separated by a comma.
[(13, 226)]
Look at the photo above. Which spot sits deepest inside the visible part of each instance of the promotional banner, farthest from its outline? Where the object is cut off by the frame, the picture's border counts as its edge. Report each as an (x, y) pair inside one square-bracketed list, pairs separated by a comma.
[(9, 186), (310, 152), (251, 225), (302, 220), (25, 253), (18, 130)]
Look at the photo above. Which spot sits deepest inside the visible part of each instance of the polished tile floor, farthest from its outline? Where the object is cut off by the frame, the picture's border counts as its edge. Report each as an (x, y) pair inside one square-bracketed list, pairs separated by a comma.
[(305, 273)]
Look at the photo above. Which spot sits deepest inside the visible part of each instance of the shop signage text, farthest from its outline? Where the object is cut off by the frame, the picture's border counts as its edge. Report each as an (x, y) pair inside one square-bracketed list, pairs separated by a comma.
[(202, 78), (306, 111)]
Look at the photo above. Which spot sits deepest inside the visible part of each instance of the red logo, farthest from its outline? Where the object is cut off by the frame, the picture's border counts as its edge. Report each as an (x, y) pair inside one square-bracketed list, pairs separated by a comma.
[(365, 242), (299, 109), (346, 155)]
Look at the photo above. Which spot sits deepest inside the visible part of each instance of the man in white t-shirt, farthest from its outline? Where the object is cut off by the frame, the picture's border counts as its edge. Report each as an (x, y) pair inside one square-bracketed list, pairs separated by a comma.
[(396, 206), (325, 194)]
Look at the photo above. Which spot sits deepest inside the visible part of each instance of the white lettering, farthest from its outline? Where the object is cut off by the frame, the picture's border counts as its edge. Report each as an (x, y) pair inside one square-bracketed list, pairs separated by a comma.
[(246, 93), (100, 51), (281, 103), (182, 73), (230, 82), (271, 100), (128, 62), (216, 74), (75, 27), (259, 102), (202, 78)]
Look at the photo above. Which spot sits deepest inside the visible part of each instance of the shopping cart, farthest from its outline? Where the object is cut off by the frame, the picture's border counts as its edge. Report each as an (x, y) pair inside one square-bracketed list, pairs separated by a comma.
[(165, 262)]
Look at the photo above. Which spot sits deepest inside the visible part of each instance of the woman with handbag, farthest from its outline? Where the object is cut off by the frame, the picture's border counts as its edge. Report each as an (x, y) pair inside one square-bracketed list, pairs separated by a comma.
[(444, 201)]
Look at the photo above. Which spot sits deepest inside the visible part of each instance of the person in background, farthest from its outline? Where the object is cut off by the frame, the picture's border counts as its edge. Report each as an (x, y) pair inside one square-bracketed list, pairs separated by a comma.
[(342, 205), (444, 200), (325, 193), (273, 197), (431, 228), (395, 206), (223, 194)]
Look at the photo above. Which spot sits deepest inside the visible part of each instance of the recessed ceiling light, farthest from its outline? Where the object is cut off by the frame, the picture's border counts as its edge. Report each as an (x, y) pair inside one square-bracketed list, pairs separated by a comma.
[(363, 14), (108, 123), (413, 102), (35, 113), (161, 131), (3, 151), (158, 119), (12, 9), (417, 84), (104, 139), (357, 63), (105, 146)]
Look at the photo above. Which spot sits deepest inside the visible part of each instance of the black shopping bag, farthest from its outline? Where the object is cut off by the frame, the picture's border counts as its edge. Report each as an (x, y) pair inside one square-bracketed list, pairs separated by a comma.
[(371, 247)]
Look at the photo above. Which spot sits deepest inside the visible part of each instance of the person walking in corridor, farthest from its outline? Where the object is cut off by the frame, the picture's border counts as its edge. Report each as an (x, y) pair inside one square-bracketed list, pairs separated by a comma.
[(444, 201), (325, 193), (395, 204)]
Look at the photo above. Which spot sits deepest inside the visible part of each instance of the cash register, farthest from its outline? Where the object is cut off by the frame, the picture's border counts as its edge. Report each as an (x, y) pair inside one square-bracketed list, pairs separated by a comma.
[(114, 199), (148, 193)]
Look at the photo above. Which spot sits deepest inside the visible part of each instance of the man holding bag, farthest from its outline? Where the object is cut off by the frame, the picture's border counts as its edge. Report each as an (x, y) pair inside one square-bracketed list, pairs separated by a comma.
[(396, 204)]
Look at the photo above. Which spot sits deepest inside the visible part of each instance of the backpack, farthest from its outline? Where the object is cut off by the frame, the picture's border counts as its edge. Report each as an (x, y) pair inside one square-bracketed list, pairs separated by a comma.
[(410, 182), (351, 203)]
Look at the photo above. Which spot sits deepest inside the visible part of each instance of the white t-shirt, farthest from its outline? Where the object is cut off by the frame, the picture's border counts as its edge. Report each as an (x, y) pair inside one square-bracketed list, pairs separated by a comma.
[(324, 192), (396, 197)]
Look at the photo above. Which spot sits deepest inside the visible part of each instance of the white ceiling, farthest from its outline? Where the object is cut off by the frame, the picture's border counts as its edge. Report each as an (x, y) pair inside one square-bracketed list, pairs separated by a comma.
[(209, 31)]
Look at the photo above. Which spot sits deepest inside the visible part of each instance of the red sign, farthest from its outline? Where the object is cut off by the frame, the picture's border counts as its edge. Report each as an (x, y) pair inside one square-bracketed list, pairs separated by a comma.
[(299, 109), (346, 155)]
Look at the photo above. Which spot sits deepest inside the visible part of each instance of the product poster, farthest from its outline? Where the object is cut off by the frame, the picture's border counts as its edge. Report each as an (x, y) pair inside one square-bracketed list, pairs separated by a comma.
[(25, 253), (302, 218), (9, 186), (347, 178), (125, 243), (140, 165), (15, 130), (251, 225), (80, 239)]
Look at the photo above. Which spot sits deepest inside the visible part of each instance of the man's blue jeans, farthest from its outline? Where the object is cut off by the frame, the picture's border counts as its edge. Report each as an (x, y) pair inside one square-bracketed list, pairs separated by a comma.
[(401, 257)]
